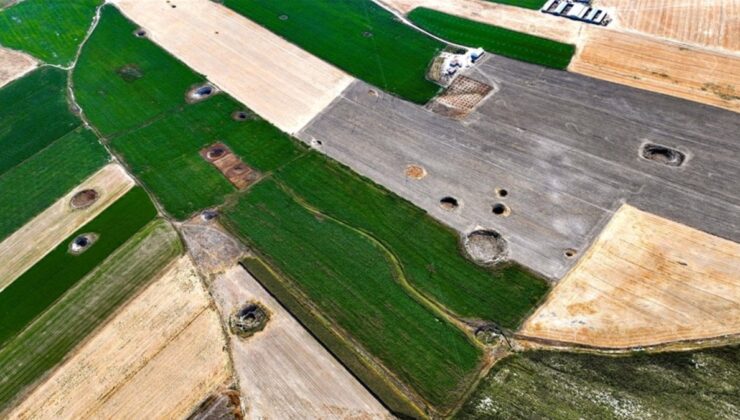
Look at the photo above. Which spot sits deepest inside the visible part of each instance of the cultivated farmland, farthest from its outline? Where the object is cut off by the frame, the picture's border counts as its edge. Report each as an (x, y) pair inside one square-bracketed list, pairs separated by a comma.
[(50, 278), (527, 4), (700, 384), (501, 41), (51, 31), (357, 36), (45, 341)]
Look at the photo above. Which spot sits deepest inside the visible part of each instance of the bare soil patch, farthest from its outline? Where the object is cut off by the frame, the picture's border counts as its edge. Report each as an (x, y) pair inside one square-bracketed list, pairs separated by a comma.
[(645, 281), (224, 405), (236, 171), (130, 73), (14, 64), (416, 172), (84, 198), (460, 98)]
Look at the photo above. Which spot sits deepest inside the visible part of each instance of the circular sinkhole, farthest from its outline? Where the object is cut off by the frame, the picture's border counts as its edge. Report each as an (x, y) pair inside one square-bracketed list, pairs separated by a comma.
[(249, 320), (449, 203), (208, 215), (200, 92), (241, 116), (662, 154), (373, 93), (140, 33), (500, 209), (570, 253), (84, 199), (215, 153), (486, 247), (82, 243), (283, 17), (501, 192)]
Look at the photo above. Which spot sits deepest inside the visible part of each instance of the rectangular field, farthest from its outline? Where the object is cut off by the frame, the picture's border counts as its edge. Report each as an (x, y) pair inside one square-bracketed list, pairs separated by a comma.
[(45, 342), (357, 36), (497, 40), (39, 287)]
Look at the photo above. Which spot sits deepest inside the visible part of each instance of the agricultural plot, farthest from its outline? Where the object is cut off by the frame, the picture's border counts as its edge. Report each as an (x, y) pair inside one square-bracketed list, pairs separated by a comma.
[(39, 287), (527, 4), (357, 36), (355, 281), (14, 64), (497, 40), (700, 384), (160, 135), (38, 97), (45, 342), (50, 31)]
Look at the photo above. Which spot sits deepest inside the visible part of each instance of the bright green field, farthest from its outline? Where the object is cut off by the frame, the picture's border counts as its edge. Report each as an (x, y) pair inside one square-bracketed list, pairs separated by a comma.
[(428, 251), (29, 188), (493, 39), (159, 135), (50, 30), (45, 342), (689, 385), (38, 288), (34, 113), (527, 4), (354, 283), (357, 36)]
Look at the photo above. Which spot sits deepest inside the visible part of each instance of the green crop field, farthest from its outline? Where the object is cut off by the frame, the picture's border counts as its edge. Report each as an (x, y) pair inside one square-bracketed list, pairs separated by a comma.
[(45, 342), (38, 288), (493, 39), (49, 30), (428, 251), (357, 36), (32, 186), (34, 113), (159, 135), (692, 385), (527, 4), (352, 281)]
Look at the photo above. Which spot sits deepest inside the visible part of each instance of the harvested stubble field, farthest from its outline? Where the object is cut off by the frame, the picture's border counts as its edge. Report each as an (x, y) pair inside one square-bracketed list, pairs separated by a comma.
[(46, 341), (14, 64), (158, 357), (27, 245), (38, 288), (34, 114), (51, 31), (645, 281), (293, 85), (161, 140), (700, 384), (357, 36), (370, 261), (283, 371), (497, 40)]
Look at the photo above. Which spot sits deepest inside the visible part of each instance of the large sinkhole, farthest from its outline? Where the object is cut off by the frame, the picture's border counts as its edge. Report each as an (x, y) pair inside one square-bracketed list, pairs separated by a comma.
[(486, 247), (249, 320), (662, 154)]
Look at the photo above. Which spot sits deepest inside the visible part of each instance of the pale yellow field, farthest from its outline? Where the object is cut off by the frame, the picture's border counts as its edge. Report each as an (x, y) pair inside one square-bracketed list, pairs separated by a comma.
[(282, 83), (29, 244), (283, 372), (711, 23), (158, 357), (645, 281), (14, 64)]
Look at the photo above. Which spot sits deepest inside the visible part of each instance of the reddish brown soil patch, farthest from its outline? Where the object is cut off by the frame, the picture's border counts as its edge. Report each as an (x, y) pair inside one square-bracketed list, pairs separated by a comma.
[(415, 172), (460, 98), (236, 171), (84, 199)]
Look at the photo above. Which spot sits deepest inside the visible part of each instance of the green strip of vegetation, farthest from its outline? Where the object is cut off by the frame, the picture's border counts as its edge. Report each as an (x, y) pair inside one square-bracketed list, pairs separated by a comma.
[(32, 186), (144, 113), (356, 285), (517, 45), (40, 286), (526, 4), (699, 384), (287, 295), (427, 250), (45, 342), (357, 36), (49, 30), (34, 114)]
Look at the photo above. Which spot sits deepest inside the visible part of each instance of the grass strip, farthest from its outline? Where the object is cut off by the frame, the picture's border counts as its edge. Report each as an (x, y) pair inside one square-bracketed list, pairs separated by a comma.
[(526, 4), (494, 39), (49, 30), (698, 384), (46, 341), (35, 184), (358, 36), (39, 287), (287, 295), (34, 114)]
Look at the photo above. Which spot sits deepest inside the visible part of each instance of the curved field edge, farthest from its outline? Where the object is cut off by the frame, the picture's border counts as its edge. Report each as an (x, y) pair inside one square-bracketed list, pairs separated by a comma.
[(32, 354), (494, 39), (560, 385)]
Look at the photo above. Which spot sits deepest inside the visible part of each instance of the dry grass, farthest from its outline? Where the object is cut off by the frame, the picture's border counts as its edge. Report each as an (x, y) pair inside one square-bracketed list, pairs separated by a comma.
[(645, 281), (14, 64), (284, 373), (282, 83), (35, 239), (159, 357)]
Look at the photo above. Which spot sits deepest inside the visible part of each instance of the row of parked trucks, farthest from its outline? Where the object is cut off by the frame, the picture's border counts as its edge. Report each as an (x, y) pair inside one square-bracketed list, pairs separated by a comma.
[(580, 10)]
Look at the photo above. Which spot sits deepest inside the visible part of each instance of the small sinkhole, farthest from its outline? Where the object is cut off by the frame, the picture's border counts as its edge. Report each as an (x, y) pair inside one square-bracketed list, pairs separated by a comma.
[(449, 203), (662, 154)]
